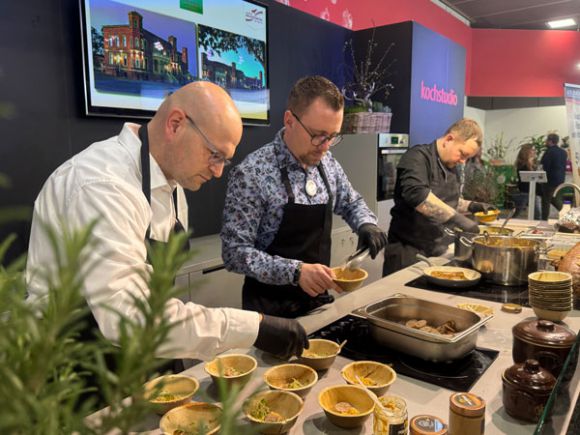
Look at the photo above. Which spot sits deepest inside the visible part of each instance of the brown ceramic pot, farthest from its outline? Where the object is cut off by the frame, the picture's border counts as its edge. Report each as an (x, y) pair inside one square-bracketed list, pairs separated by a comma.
[(526, 388), (544, 341)]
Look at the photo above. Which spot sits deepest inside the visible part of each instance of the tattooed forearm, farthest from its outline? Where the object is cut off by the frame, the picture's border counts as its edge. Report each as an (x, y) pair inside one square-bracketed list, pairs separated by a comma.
[(463, 205), (435, 209)]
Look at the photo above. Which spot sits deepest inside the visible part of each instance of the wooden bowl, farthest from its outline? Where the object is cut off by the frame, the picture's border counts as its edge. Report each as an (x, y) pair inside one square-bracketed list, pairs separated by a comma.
[(349, 279), (320, 355), (377, 377), (552, 315), (170, 391), (281, 376), (286, 404), (190, 418), (354, 395), (490, 216), (232, 370)]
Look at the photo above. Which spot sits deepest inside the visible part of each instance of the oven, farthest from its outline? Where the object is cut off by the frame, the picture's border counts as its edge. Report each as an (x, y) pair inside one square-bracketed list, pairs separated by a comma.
[(391, 148)]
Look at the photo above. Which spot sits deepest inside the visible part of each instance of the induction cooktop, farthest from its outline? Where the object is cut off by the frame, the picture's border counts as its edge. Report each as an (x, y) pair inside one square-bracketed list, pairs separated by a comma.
[(456, 375)]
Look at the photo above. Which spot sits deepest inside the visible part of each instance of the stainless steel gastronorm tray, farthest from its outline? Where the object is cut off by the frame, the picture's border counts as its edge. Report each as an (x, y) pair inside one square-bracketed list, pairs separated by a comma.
[(387, 319)]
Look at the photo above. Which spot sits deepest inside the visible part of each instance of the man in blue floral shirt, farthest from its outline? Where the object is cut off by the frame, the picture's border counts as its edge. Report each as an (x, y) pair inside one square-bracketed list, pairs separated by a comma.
[(277, 218)]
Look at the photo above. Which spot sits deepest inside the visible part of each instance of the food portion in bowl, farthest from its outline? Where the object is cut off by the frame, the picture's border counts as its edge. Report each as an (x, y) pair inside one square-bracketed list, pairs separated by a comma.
[(170, 391), (233, 369), (346, 406), (192, 419), (488, 216), (320, 354), (297, 378), (262, 412), (349, 279), (273, 412), (375, 376)]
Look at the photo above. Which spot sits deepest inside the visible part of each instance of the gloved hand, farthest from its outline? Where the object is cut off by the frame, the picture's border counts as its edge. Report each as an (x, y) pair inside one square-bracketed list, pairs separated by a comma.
[(281, 337), (462, 222), (475, 207), (372, 237)]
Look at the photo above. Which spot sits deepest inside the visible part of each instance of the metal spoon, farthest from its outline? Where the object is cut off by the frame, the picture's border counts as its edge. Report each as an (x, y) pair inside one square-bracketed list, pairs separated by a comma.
[(508, 217)]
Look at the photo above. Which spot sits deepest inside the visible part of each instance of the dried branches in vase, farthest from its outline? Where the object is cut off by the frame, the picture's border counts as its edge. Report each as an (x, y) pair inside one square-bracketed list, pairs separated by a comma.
[(368, 78)]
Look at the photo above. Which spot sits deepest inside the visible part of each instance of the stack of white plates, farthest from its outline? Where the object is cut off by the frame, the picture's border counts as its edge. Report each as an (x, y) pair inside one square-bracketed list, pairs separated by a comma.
[(550, 294)]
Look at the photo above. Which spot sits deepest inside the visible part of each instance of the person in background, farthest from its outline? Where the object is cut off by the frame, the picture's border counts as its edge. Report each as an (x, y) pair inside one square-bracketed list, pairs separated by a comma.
[(427, 196), (554, 163), (133, 184), (527, 161), (277, 218)]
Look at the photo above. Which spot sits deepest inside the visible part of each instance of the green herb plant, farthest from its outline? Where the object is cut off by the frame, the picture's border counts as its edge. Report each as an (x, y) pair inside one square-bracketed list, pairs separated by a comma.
[(44, 364)]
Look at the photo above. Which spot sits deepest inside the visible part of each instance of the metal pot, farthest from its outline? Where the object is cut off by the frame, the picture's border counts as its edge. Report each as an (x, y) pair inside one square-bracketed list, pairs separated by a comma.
[(462, 244), (505, 260)]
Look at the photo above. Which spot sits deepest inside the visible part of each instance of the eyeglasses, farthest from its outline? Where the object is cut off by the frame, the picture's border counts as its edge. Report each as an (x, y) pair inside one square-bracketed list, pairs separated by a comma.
[(319, 139), (216, 157)]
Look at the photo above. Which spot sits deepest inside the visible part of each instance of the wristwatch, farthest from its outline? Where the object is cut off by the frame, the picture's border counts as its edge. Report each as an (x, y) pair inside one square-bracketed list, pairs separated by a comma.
[(297, 273)]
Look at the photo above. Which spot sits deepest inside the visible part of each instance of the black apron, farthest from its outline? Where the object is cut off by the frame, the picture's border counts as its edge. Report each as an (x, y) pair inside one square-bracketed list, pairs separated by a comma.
[(91, 331), (305, 235), (403, 248)]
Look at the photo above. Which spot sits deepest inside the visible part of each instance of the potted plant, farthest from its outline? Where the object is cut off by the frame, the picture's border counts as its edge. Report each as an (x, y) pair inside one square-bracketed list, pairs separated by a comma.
[(363, 113), (496, 150)]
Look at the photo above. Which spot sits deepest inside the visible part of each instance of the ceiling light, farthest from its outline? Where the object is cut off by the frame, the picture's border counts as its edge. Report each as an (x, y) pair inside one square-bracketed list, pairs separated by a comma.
[(578, 65), (559, 24)]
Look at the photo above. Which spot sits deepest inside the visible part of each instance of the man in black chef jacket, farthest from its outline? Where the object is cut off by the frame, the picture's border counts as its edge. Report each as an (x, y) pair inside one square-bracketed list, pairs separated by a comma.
[(427, 196), (279, 206)]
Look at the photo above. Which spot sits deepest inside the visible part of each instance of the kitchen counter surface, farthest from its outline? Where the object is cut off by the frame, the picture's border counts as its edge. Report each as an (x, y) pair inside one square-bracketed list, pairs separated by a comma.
[(421, 398)]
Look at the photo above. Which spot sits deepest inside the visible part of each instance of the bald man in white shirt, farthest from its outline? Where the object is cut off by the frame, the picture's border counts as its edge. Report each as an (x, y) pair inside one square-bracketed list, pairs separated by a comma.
[(133, 183)]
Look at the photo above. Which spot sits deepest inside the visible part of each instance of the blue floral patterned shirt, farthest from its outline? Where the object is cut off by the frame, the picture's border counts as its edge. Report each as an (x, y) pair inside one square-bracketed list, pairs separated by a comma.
[(254, 207)]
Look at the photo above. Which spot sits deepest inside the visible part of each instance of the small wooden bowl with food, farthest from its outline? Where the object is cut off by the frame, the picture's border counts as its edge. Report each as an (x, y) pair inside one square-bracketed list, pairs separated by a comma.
[(273, 412), (349, 279), (347, 406), (375, 376), (320, 354), (193, 418), (296, 378), (234, 369), (170, 391)]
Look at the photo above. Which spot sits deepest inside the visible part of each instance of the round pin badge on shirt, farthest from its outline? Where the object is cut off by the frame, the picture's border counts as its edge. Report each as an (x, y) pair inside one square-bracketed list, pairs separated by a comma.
[(311, 187)]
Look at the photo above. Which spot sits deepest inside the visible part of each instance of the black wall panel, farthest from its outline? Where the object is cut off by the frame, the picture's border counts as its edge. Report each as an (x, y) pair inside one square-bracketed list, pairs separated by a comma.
[(41, 96)]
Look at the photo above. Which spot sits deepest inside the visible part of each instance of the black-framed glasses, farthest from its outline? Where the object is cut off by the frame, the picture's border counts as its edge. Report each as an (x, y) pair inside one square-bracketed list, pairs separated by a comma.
[(319, 139), (216, 157)]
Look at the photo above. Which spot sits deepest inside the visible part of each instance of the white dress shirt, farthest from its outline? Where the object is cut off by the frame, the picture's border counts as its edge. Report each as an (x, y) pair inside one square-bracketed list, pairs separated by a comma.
[(104, 181)]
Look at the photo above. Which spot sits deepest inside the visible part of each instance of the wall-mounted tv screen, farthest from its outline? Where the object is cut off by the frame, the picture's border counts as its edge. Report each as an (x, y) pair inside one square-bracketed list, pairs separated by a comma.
[(136, 52)]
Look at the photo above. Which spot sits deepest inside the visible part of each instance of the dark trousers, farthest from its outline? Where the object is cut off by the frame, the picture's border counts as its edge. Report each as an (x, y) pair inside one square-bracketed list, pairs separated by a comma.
[(547, 199)]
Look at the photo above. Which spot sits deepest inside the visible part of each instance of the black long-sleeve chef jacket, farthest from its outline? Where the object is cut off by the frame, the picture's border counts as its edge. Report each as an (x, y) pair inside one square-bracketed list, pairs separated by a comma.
[(420, 171)]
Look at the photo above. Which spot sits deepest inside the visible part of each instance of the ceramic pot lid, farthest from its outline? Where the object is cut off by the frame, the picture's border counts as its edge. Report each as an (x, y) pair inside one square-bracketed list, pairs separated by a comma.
[(530, 376), (544, 332)]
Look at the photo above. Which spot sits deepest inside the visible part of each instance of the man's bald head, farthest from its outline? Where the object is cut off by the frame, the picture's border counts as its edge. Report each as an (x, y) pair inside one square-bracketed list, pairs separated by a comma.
[(192, 123)]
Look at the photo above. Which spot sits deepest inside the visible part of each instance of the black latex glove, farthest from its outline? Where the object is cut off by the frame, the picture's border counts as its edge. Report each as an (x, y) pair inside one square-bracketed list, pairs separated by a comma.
[(372, 237), (281, 337), (475, 207), (462, 222)]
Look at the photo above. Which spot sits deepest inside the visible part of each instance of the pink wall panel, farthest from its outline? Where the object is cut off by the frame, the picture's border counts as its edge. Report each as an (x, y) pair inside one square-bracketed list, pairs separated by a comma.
[(518, 63), (532, 63)]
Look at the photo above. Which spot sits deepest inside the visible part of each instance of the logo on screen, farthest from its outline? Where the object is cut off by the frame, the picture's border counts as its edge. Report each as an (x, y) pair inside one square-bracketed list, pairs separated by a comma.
[(255, 15), (438, 95), (192, 5)]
